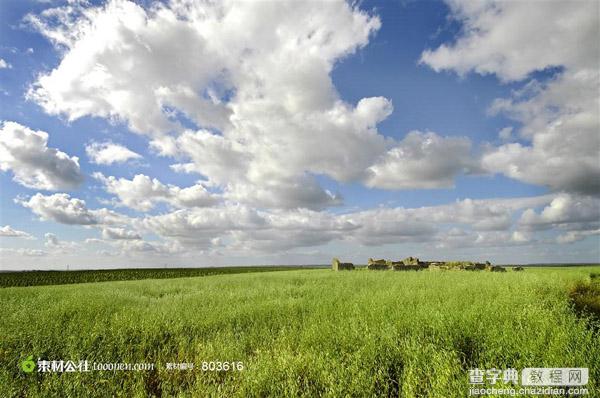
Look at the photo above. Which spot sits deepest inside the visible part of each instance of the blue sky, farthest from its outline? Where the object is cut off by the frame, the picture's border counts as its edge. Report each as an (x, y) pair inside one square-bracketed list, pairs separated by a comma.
[(420, 168)]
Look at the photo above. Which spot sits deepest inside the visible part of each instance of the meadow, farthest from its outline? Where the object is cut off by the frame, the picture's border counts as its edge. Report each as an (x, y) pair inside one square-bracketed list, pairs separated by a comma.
[(310, 332)]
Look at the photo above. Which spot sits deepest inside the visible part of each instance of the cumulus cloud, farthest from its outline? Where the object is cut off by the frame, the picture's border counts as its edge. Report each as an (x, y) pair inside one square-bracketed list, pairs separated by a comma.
[(4, 64), (513, 38), (119, 234), (235, 228), (7, 231), (25, 152), (61, 208), (468, 222), (51, 240), (107, 153), (143, 193), (564, 209), (559, 118), (241, 94), (57, 246), (576, 236), (264, 110), (199, 226), (461, 238), (244, 229), (422, 160)]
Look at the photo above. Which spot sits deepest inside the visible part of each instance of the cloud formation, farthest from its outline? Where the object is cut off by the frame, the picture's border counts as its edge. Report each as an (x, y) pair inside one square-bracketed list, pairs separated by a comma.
[(241, 95), (107, 153), (263, 105), (560, 117), (26, 154), (505, 38), (8, 232), (143, 193), (61, 208), (422, 160)]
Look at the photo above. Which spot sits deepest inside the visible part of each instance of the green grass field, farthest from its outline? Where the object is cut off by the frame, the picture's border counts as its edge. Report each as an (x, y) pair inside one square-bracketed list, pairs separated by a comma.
[(310, 332)]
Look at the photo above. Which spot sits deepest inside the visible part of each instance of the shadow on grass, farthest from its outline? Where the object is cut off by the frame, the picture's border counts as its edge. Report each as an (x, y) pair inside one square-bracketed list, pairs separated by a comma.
[(585, 296)]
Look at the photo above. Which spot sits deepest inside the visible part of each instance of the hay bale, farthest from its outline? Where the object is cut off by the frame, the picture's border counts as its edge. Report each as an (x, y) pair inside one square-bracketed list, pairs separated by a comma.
[(496, 268), (518, 268)]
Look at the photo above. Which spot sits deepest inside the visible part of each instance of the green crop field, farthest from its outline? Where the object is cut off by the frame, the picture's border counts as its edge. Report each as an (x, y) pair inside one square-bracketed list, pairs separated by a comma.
[(36, 278), (312, 332)]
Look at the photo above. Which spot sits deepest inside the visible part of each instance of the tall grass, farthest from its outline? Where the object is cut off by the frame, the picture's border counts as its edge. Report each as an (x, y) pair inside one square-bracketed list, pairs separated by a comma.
[(298, 333)]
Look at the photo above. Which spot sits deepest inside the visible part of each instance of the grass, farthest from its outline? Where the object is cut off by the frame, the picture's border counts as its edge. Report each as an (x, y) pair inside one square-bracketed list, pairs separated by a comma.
[(298, 333), (585, 295), (37, 278)]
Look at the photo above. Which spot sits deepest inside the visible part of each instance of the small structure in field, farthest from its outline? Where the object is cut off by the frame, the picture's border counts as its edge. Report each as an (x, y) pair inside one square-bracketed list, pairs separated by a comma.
[(414, 264), (379, 265), (337, 265), (410, 264), (518, 268)]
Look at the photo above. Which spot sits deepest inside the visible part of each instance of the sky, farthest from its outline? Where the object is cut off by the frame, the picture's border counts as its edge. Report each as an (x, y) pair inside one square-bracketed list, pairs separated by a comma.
[(189, 133)]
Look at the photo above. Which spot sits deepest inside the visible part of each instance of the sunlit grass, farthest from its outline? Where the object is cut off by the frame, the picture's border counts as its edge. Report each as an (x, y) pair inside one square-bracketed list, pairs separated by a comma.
[(298, 333)]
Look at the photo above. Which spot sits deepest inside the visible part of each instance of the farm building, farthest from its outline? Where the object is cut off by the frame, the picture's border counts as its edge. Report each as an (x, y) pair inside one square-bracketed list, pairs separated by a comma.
[(379, 265), (414, 264), (337, 265)]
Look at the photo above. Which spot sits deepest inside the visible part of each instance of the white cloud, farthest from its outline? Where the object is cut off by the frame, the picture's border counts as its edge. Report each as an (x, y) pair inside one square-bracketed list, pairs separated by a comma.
[(559, 118), (4, 64), (119, 234), (576, 236), (459, 238), (254, 80), (7, 231), (505, 134), (186, 168), (143, 193), (422, 160), (107, 153), (488, 221), (51, 240), (564, 209), (56, 246), (133, 247), (198, 226), (25, 152), (242, 229), (60, 207), (23, 252), (513, 38)]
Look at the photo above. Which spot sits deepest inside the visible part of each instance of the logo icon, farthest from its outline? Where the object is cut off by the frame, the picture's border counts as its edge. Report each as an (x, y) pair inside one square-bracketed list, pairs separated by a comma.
[(28, 365)]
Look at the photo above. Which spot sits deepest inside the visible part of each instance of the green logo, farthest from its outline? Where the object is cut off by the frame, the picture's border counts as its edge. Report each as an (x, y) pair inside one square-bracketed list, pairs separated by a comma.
[(28, 365)]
